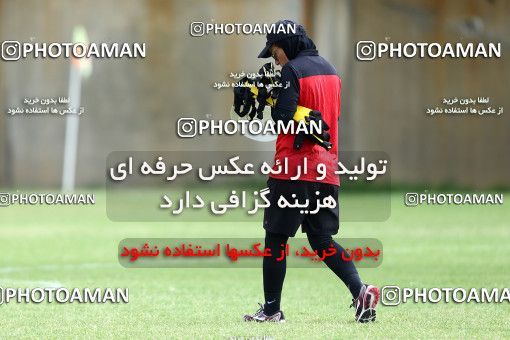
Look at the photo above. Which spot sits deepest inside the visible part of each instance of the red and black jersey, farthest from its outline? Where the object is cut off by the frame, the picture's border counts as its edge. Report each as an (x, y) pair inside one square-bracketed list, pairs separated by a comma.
[(314, 84)]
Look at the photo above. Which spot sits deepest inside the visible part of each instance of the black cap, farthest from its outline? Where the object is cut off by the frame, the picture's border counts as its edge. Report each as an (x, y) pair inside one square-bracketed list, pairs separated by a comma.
[(281, 30)]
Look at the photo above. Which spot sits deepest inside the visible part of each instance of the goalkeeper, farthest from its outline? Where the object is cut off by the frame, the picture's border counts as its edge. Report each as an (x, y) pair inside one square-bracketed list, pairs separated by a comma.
[(314, 84)]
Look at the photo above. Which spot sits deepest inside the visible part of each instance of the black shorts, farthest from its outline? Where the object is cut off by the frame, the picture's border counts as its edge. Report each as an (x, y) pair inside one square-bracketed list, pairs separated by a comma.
[(287, 220)]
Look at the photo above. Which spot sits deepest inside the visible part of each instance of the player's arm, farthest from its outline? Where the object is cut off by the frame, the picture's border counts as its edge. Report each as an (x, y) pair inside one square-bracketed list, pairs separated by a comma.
[(283, 103), (288, 96)]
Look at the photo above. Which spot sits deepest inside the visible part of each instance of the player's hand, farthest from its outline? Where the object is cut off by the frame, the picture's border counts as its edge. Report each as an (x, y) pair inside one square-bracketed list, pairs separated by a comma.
[(244, 100), (316, 116)]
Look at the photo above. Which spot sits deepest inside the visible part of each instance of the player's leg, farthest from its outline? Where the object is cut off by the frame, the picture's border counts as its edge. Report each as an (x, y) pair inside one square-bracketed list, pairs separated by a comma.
[(280, 224), (319, 228), (274, 268), (345, 270), (365, 297)]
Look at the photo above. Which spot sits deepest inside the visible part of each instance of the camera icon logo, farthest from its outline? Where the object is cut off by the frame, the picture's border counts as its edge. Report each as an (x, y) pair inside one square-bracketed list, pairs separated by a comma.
[(11, 50), (391, 296), (411, 199), (5, 199), (365, 50), (197, 29), (187, 127)]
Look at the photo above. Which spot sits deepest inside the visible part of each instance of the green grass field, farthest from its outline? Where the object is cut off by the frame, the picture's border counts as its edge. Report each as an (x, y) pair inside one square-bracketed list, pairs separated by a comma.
[(425, 246)]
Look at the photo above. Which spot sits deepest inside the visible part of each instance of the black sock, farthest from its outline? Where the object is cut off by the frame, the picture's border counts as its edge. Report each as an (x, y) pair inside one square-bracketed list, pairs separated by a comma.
[(274, 272), (345, 270)]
